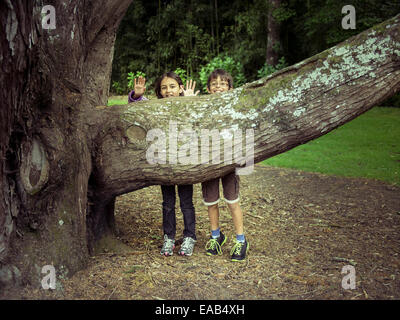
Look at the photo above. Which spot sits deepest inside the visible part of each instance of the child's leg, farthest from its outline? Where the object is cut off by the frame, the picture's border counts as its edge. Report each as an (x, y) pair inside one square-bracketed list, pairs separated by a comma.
[(213, 215), (186, 202), (239, 250), (210, 191), (237, 217), (168, 208), (230, 184)]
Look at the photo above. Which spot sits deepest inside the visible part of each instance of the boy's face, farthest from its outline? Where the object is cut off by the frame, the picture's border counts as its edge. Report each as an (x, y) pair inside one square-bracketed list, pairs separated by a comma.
[(218, 85), (169, 88)]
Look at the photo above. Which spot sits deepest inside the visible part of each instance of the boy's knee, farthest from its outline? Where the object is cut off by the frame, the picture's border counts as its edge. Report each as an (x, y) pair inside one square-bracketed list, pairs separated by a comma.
[(213, 206), (233, 206)]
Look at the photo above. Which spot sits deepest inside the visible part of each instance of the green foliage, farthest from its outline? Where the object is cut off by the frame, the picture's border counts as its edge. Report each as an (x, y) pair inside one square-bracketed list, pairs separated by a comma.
[(182, 74), (283, 13), (267, 69), (244, 38), (317, 26), (160, 36), (116, 88), (228, 64)]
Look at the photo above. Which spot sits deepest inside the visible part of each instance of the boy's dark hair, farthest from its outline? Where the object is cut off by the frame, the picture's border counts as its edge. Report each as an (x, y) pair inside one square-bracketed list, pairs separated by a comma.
[(224, 75), (170, 74)]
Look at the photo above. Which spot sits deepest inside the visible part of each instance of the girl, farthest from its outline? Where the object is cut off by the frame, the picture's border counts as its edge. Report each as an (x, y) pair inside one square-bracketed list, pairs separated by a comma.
[(170, 85)]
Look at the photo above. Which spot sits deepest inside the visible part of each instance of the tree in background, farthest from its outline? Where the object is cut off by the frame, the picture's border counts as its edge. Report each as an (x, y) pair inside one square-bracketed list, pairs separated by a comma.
[(160, 36), (273, 33)]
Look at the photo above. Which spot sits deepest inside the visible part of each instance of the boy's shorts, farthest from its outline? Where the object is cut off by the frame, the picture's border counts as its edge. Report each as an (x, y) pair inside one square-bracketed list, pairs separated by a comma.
[(230, 186)]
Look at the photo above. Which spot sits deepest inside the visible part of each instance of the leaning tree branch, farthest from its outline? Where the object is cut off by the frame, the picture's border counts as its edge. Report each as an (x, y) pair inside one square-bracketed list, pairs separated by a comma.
[(288, 108)]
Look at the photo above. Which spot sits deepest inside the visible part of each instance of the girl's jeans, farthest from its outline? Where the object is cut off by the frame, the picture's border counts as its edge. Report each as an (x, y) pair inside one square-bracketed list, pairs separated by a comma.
[(186, 203)]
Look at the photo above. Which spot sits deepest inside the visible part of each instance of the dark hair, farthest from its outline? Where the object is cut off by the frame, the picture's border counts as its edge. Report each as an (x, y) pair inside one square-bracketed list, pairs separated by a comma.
[(224, 75), (170, 74)]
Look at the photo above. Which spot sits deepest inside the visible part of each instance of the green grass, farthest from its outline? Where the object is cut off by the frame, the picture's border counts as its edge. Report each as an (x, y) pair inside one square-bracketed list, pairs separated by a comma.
[(117, 101), (368, 146)]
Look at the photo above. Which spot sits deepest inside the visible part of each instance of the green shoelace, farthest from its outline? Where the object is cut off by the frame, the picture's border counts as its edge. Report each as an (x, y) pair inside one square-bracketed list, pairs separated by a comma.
[(213, 244), (237, 248)]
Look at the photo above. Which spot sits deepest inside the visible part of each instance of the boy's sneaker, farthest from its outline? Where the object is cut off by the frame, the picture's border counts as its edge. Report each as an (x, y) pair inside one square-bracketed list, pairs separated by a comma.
[(168, 246), (213, 246), (187, 246), (239, 250)]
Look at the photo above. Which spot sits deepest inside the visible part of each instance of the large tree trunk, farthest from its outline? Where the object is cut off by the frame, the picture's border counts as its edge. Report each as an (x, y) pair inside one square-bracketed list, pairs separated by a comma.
[(65, 156), (48, 78)]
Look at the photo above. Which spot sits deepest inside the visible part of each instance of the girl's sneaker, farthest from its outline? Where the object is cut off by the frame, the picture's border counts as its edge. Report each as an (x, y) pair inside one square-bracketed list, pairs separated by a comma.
[(187, 246), (168, 246)]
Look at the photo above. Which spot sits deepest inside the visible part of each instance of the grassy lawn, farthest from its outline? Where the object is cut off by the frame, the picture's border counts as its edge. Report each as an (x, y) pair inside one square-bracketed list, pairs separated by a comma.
[(118, 100), (368, 146)]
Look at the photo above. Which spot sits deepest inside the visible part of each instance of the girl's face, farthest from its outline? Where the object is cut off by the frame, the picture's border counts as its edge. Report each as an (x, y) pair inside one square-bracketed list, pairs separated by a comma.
[(169, 88), (218, 85)]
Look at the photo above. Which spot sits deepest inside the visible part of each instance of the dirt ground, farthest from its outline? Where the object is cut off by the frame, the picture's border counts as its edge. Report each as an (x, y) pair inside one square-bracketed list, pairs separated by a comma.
[(303, 228)]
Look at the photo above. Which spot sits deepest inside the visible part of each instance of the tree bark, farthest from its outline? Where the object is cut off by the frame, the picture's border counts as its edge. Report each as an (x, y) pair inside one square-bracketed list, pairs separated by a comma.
[(65, 156), (273, 35), (49, 77)]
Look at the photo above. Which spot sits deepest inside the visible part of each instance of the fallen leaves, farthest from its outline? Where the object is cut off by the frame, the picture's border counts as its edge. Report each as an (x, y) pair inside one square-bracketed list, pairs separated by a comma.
[(302, 230)]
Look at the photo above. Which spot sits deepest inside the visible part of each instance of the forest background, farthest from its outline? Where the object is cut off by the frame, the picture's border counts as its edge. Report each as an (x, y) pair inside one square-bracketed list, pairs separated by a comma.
[(194, 37)]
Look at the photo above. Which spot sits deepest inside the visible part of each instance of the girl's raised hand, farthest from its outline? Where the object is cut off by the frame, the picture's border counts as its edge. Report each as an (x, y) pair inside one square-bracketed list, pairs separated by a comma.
[(190, 85), (140, 86)]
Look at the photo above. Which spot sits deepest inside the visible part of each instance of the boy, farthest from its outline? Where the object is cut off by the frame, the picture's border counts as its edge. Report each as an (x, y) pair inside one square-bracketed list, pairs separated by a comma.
[(220, 81)]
